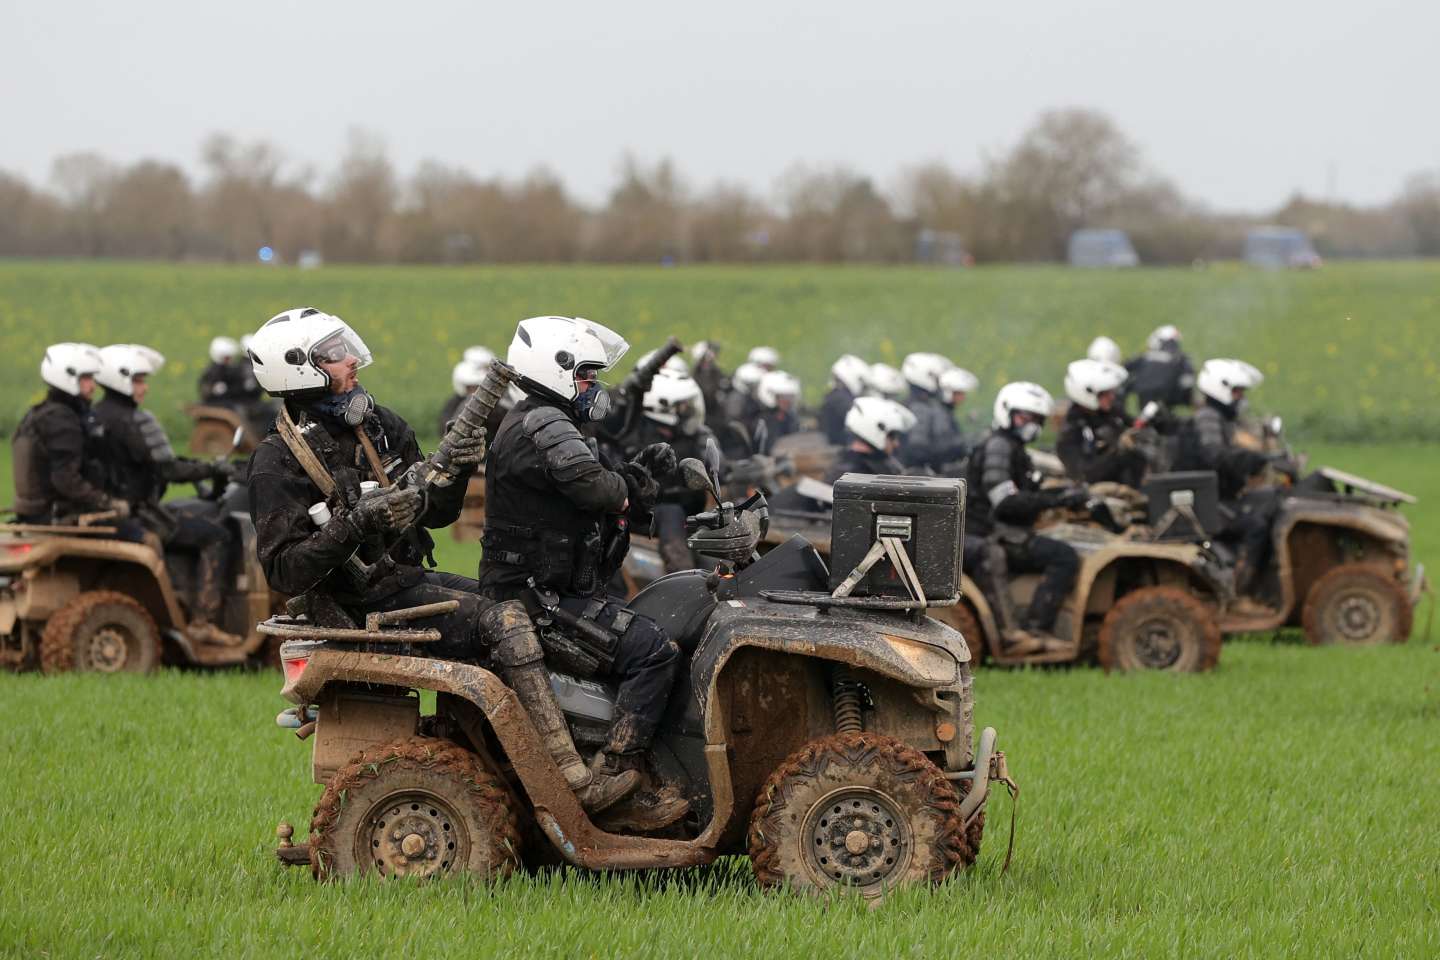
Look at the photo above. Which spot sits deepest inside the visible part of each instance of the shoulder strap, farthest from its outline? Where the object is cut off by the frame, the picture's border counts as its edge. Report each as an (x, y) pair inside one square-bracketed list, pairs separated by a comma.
[(310, 463)]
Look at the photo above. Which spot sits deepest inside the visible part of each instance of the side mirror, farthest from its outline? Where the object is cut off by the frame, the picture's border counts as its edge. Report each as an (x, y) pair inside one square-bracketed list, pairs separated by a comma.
[(238, 439), (711, 456), (694, 474), (1275, 426)]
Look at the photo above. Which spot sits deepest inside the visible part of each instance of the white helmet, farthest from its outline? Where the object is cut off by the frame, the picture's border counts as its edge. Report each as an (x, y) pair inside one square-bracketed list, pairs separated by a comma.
[(885, 381), (1169, 333), (676, 364), (547, 351), (120, 363), (1103, 348), (1256, 377), (767, 357), (224, 349), (154, 357), (466, 377), (479, 356), (773, 386), (747, 377), (923, 370), (1220, 378), (1023, 396), (1086, 379), (288, 349), (65, 363), (872, 419), (958, 380), (850, 371), (675, 400), (702, 350)]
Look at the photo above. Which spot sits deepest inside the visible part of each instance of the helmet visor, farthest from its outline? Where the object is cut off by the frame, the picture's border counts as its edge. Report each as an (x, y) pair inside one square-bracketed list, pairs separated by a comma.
[(611, 342), (338, 346)]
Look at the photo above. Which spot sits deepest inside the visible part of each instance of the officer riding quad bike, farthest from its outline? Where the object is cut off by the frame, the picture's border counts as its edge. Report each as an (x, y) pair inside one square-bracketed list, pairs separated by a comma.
[(1340, 565), (75, 598), (821, 725)]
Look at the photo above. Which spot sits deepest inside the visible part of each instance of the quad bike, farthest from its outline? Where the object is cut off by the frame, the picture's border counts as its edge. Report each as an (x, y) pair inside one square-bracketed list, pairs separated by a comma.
[(75, 598), (216, 427), (826, 734), (1340, 565), (1138, 604), (809, 451)]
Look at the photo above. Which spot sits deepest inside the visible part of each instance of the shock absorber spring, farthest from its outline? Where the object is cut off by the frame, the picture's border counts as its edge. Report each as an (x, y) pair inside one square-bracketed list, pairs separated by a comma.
[(846, 701)]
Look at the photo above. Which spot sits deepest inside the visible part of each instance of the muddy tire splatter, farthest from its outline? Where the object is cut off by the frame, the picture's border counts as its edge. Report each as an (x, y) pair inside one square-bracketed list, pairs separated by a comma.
[(1356, 605), (100, 631), (857, 810), (417, 807), (1159, 628)]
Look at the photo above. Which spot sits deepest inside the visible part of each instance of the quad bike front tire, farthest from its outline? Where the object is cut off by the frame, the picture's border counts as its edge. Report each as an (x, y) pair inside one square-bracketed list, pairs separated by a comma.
[(1357, 605), (418, 807), (857, 810), (1159, 628), (100, 631)]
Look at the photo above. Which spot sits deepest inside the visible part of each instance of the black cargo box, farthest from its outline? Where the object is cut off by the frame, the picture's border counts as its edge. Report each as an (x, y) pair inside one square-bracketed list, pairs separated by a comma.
[(927, 514), (1194, 492)]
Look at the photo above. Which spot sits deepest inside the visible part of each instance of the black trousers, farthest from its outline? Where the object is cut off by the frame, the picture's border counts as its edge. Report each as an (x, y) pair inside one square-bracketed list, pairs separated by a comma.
[(210, 542), (1058, 564), (459, 631), (1248, 529)]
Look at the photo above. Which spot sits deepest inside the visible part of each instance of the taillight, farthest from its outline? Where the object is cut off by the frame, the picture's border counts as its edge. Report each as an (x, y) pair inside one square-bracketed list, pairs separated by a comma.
[(19, 549), (293, 666)]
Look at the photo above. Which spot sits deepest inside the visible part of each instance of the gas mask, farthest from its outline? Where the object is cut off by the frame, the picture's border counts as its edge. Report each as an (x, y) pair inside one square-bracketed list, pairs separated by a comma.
[(1028, 432), (593, 404)]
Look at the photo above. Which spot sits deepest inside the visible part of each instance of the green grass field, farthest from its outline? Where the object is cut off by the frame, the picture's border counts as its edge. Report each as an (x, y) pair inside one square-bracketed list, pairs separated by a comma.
[(1285, 805), (1352, 352)]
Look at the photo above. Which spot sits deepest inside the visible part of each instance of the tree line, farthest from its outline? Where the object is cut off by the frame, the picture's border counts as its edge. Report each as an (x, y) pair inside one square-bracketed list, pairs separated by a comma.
[(1072, 168)]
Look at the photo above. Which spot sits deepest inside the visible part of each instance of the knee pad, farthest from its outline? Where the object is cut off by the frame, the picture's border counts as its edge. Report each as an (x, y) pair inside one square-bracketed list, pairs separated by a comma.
[(509, 629)]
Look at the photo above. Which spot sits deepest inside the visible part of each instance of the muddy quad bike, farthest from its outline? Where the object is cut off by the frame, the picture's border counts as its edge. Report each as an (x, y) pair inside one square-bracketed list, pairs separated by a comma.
[(1138, 603), (827, 735), (75, 598), (469, 527), (809, 451), (1340, 565), (216, 427)]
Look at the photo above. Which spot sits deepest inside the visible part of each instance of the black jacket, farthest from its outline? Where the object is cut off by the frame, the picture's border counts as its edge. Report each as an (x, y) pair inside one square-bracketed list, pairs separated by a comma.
[(228, 384), (551, 507), (294, 554), (139, 460), (1002, 486), (833, 408), (1207, 442), (1089, 446), (57, 466), (867, 461), (935, 441), (1163, 375)]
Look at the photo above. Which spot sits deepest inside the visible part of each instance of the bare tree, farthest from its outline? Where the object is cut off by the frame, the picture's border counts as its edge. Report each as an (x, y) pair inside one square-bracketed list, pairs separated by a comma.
[(84, 181), (150, 211), (361, 200), (645, 218)]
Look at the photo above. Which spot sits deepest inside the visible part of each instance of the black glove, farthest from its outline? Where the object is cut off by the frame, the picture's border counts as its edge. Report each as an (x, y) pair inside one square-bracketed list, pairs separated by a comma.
[(465, 451), (389, 511), (221, 472), (658, 460), (1073, 499), (641, 487)]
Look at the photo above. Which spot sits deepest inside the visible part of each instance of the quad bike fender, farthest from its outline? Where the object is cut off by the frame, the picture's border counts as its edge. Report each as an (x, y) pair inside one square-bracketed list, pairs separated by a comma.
[(45, 563), (971, 593), (1386, 526), (1179, 564), (556, 809), (225, 415)]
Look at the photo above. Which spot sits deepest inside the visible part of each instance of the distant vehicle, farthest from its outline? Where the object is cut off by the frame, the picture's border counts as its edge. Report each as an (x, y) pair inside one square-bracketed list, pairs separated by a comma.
[(1280, 248), (1102, 248)]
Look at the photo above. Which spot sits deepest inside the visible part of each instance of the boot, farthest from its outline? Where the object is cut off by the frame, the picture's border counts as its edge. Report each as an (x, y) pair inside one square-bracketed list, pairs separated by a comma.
[(522, 666), (1024, 643), (646, 810), (206, 633)]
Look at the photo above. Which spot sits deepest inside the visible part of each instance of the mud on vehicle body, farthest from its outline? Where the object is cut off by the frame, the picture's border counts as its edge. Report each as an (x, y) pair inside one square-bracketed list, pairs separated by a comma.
[(830, 740), (218, 430), (75, 598)]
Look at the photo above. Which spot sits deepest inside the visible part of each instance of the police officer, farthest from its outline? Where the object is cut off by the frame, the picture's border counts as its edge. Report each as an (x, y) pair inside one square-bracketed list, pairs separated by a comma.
[(674, 413), (705, 369), (876, 428), (1163, 373), (223, 382), (847, 376), (556, 517), (465, 379), (778, 394), (57, 465), (1004, 501), (1096, 442), (1207, 442), (140, 463), (936, 442)]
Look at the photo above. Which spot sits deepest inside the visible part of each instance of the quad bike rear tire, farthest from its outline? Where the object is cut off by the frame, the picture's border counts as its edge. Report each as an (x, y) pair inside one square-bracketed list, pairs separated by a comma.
[(1159, 628), (100, 631), (418, 807), (1357, 605), (857, 810), (962, 618)]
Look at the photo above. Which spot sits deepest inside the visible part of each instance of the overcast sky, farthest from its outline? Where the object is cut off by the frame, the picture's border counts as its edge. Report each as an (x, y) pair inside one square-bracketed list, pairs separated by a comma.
[(1241, 103)]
